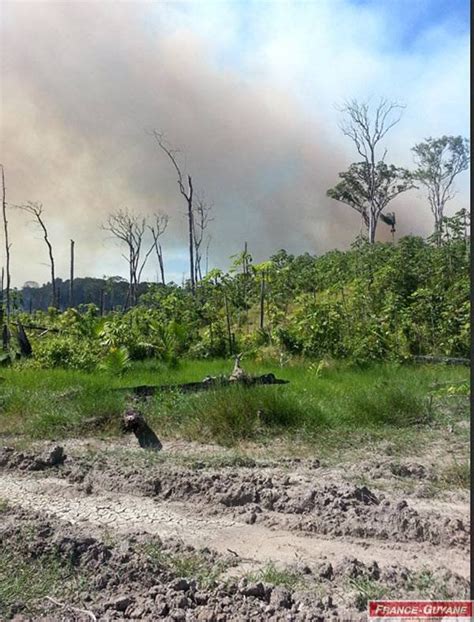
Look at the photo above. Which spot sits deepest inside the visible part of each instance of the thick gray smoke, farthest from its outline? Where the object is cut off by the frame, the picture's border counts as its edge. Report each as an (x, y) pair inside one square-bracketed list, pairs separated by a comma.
[(82, 86)]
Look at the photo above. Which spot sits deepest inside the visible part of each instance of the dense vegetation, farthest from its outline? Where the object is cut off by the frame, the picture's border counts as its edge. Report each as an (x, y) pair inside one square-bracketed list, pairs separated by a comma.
[(337, 326), (378, 301)]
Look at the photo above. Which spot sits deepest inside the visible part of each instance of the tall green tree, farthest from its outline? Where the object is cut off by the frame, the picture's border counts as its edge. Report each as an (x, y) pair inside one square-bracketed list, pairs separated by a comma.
[(439, 161), (369, 191)]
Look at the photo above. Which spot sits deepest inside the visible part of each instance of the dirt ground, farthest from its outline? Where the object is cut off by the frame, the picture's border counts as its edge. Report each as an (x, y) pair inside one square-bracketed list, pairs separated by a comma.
[(201, 533)]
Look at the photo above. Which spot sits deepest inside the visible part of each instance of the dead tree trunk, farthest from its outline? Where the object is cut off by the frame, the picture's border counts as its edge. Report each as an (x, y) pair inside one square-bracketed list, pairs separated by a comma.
[(133, 421), (160, 261), (129, 229), (51, 260), (229, 330), (7, 244), (262, 301), (71, 277), (36, 210), (23, 341), (207, 254), (201, 219), (5, 337), (191, 234), (157, 229), (188, 194)]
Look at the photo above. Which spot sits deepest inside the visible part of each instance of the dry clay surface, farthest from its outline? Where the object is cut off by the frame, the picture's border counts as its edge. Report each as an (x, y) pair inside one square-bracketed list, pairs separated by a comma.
[(337, 533), (253, 544)]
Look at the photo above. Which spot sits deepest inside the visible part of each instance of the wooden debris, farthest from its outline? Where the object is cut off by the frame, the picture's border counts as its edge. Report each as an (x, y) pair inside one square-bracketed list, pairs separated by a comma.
[(133, 421), (67, 607), (23, 341), (447, 360), (238, 374), (210, 382)]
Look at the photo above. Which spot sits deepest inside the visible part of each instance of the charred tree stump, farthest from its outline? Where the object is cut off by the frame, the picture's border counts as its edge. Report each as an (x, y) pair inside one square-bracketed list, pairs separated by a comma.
[(133, 421), (23, 341), (5, 338)]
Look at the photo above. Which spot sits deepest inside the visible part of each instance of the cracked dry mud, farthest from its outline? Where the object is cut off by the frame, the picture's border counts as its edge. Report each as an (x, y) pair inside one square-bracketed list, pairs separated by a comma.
[(339, 541)]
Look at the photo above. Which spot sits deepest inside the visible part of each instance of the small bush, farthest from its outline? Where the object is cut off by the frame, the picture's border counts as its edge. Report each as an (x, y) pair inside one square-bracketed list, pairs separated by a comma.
[(66, 352), (116, 361)]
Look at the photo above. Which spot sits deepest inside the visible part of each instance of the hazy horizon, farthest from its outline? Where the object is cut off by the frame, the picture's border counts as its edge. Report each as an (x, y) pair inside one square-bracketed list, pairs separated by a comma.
[(247, 91)]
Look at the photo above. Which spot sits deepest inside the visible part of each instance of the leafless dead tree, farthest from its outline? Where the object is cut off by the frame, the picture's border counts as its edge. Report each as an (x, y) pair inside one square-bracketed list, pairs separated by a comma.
[(7, 246), (367, 130), (201, 220), (71, 276), (130, 228), (35, 208), (157, 229), (208, 243), (187, 191)]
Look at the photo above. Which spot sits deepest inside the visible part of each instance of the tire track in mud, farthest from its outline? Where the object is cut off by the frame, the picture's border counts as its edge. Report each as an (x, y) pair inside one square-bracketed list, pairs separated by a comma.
[(254, 544)]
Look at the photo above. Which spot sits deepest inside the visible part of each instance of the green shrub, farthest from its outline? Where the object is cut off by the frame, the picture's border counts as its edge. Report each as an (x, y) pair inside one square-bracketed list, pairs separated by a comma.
[(66, 352)]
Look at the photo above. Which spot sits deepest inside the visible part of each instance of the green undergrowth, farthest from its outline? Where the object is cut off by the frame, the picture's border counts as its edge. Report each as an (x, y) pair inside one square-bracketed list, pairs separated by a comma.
[(335, 403), (422, 584), (280, 576), (189, 565), (29, 582), (456, 475)]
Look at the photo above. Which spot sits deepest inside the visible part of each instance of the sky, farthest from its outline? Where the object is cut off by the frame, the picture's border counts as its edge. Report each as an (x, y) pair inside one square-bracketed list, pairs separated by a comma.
[(248, 91)]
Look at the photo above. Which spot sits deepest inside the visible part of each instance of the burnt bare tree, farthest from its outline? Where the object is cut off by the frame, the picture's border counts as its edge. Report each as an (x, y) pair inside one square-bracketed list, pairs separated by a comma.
[(71, 276), (208, 244), (187, 191), (129, 229), (366, 129), (35, 209), (202, 218), (157, 229), (7, 246)]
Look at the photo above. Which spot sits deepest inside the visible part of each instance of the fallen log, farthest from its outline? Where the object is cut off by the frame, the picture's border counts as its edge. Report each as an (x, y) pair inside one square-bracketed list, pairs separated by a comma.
[(447, 360), (42, 328), (205, 385)]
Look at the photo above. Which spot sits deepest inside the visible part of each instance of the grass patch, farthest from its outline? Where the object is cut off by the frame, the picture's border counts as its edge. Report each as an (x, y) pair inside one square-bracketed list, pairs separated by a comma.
[(456, 475), (342, 405), (32, 580), (284, 577), (367, 589), (426, 585), (189, 566)]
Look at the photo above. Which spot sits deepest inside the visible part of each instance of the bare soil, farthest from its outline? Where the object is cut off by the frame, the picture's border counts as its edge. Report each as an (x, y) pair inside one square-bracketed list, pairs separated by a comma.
[(280, 538)]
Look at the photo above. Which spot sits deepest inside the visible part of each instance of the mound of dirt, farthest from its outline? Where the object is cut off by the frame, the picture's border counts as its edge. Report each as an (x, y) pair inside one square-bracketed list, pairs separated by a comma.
[(51, 457), (278, 499), (120, 535), (142, 577)]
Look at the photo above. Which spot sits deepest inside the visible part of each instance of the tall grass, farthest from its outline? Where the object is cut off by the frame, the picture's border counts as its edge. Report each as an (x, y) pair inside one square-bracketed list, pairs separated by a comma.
[(318, 400)]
